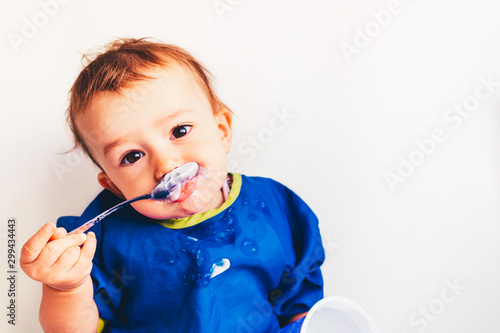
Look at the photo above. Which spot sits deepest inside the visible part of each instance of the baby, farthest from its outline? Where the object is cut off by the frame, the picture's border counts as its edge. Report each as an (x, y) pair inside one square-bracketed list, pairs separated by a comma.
[(231, 254)]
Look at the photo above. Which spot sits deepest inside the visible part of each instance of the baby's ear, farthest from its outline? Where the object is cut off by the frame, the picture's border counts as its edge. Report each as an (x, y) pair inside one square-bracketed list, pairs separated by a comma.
[(108, 184), (224, 118)]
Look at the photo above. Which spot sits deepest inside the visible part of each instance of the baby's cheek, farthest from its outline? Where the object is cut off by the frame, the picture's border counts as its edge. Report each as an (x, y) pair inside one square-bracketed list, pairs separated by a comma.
[(152, 209), (145, 208)]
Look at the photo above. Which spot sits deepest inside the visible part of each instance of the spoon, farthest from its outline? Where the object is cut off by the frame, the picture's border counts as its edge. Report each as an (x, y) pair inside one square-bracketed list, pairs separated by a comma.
[(168, 190)]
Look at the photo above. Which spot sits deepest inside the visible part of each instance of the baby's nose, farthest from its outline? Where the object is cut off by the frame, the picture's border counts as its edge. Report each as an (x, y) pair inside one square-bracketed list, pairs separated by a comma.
[(166, 165)]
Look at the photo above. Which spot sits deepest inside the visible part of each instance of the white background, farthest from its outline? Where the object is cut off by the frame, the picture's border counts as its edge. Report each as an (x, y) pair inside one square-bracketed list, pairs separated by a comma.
[(355, 119)]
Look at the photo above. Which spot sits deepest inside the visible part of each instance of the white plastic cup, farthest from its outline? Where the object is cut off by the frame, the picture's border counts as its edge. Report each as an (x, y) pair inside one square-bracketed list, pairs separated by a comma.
[(334, 314)]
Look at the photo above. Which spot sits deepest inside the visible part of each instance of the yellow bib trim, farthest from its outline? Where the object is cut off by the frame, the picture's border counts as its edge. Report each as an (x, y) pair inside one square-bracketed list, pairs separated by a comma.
[(101, 325), (197, 218)]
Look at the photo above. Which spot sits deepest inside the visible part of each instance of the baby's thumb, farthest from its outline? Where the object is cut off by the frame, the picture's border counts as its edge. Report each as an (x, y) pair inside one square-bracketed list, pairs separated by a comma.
[(89, 247), (60, 233)]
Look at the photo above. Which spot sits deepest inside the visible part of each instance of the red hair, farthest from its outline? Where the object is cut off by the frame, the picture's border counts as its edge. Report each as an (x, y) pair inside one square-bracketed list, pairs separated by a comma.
[(119, 67)]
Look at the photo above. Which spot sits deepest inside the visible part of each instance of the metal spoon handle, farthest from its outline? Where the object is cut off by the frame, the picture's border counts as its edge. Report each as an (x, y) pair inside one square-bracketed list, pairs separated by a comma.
[(87, 225)]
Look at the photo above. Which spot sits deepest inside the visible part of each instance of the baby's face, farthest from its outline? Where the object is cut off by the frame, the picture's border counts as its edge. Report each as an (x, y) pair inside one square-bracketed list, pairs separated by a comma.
[(150, 130)]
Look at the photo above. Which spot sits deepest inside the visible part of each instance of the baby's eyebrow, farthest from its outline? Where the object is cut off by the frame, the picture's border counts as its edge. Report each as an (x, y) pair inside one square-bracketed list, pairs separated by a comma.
[(175, 114), (109, 146)]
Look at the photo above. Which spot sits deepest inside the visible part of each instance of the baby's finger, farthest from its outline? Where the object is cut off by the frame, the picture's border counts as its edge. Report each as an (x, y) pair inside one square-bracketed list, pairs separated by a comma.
[(87, 252), (60, 233), (35, 244), (67, 259), (53, 250)]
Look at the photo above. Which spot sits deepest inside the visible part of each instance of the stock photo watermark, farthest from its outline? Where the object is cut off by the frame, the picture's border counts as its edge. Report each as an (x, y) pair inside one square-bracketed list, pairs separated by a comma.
[(425, 315), (249, 148), (71, 161), (453, 118), (119, 281), (121, 108), (254, 144), (31, 25), (223, 7), (290, 282), (330, 245), (11, 272), (380, 19)]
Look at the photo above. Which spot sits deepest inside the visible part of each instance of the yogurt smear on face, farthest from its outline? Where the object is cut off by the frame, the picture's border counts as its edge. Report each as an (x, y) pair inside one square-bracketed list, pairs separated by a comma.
[(171, 186), (188, 185)]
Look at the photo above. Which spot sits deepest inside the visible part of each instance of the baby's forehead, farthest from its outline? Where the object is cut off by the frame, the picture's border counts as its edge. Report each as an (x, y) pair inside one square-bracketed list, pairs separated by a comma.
[(154, 79), (168, 82), (163, 95)]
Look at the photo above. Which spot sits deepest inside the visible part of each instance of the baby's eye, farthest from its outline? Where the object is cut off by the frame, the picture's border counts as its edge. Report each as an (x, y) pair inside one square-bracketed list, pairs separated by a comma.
[(180, 131), (131, 157)]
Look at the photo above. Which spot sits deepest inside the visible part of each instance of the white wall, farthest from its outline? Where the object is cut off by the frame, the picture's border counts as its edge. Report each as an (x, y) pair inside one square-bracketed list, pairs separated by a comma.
[(355, 118)]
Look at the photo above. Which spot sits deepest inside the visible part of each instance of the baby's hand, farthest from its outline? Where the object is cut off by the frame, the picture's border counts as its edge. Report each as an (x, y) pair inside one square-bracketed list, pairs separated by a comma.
[(56, 259)]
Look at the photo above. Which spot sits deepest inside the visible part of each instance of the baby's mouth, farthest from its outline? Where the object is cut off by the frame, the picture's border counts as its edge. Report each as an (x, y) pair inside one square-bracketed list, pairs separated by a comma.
[(188, 185), (186, 190), (177, 184)]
